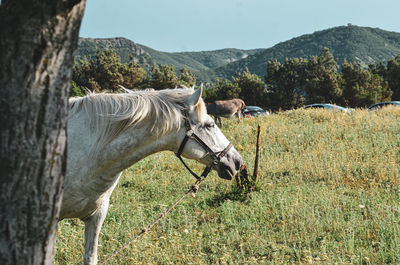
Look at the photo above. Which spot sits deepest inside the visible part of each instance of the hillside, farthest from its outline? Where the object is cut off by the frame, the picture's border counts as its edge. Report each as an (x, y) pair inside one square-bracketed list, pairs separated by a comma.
[(203, 60), (123, 47), (362, 44), (146, 57)]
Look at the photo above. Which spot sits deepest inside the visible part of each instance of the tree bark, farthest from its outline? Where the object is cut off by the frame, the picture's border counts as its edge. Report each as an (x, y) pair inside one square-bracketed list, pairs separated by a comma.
[(37, 41)]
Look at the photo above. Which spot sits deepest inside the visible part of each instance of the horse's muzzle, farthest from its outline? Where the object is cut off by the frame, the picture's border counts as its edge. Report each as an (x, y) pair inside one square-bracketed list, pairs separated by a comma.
[(229, 165)]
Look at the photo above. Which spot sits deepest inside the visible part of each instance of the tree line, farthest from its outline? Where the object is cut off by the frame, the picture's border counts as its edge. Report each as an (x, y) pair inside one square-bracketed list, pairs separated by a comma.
[(104, 72), (286, 85), (300, 81)]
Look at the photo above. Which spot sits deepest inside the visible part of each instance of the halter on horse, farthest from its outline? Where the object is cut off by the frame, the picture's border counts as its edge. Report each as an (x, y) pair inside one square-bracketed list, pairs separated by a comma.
[(216, 156)]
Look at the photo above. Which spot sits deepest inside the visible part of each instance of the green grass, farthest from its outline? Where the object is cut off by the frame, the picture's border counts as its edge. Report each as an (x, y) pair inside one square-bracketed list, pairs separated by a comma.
[(328, 193)]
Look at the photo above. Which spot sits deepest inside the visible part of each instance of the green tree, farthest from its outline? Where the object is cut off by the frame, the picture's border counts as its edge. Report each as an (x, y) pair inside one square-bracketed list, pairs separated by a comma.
[(187, 78), (321, 80), (109, 70), (222, 90), (284, 83), (163, 77), (76, 91), (82, 72), (212, 92), (379, 69), (134, 76), (252, 88), (393, 76), (105, 72), (230, 90), (361, 87)]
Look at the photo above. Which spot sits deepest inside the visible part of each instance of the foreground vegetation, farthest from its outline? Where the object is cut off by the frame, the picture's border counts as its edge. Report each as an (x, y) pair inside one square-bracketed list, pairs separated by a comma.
[(329, 193)]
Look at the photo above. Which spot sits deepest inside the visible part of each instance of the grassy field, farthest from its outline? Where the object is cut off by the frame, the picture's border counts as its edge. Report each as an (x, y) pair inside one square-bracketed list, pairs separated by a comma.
[(329, 193)]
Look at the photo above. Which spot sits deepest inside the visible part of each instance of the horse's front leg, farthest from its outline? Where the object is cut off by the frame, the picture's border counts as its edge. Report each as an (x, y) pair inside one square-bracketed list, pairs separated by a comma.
[(94, 223), (93, 226)]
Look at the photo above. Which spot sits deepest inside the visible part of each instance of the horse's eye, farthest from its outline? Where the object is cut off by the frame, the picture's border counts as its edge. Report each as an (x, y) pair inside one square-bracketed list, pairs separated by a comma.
[(210, 125)]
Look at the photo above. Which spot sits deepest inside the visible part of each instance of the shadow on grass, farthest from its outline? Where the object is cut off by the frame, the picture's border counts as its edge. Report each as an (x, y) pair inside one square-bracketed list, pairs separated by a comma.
[(245, 184), (236, 194)]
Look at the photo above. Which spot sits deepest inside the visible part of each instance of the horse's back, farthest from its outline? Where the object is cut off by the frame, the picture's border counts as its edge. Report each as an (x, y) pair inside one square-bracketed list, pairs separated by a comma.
[(218, 109), (225, 108)]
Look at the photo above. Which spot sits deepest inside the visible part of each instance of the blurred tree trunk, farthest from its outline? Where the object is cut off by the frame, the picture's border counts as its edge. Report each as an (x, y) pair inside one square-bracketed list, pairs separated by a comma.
[(37, 41)]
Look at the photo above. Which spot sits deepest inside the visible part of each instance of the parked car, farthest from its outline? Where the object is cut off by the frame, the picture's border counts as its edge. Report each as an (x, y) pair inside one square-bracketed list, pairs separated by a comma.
[(253, 111), (383, 104), (327, 106)]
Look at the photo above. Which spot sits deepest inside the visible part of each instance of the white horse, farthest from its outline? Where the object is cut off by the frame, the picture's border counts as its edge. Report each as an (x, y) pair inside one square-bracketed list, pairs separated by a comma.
[(107, 133)]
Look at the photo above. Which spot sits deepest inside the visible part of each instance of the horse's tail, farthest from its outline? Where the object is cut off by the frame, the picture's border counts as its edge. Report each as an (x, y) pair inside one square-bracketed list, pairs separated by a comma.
[(243, 104)]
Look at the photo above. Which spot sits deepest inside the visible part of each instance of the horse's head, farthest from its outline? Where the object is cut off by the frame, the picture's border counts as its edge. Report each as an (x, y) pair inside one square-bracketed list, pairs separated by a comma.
[(204, 128)]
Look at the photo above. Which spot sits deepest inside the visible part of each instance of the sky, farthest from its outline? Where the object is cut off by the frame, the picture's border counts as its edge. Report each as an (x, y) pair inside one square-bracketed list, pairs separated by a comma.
[(199, 25)]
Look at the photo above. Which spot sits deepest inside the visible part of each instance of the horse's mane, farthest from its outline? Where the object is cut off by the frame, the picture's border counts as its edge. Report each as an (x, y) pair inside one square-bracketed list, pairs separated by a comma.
[(111, 114)]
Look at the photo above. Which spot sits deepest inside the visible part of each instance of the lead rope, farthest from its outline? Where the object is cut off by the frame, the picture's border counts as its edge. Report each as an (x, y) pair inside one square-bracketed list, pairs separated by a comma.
[(193, 189)]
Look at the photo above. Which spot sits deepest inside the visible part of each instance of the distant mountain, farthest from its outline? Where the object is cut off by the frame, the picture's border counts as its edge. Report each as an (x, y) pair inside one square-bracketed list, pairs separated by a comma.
[(203, 60), (147, 57), (123, 47), (363, 44)]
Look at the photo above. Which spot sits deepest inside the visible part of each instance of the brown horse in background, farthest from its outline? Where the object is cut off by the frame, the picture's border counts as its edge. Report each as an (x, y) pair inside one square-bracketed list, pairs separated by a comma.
[(225, 108)]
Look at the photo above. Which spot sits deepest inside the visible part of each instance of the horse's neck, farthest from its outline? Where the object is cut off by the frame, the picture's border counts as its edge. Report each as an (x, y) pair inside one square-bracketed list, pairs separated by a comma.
[(132, 146), (126, 149)]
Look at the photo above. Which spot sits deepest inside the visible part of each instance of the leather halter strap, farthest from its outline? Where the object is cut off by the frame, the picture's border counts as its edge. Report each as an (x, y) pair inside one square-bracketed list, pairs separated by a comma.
[(215, 156)]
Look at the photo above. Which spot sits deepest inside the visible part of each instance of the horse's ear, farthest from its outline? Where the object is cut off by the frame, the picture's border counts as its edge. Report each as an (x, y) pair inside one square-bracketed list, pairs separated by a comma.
[(194, 99)]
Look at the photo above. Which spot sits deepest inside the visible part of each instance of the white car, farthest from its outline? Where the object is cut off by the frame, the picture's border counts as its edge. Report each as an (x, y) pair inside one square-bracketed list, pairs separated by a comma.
[(327, 106)]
